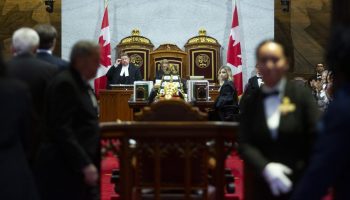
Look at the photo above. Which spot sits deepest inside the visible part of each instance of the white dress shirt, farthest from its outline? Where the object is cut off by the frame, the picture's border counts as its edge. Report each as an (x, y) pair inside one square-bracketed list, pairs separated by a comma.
[(260, 81), (271, 107), (124, 71), (44, 51)]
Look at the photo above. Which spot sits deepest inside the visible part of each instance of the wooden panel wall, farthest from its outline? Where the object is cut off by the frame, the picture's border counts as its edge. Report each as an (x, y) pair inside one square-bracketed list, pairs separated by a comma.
[(26, 13), (305, 30)]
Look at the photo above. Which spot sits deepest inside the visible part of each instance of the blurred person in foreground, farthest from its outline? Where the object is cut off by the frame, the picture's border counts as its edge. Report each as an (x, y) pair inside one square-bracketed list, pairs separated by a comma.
[(16, 180), (330, 162), (48, 38), (68, 161), (277, 128), (36, 74)]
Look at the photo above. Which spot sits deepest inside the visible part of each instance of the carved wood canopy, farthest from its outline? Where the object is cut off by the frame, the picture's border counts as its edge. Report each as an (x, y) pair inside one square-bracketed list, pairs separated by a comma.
[(203, 56), (138, 49)]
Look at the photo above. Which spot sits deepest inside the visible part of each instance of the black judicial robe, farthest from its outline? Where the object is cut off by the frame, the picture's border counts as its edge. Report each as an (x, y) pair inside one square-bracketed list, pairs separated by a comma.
[(292, 146), (226, 104), (113, 75), (71, 140)]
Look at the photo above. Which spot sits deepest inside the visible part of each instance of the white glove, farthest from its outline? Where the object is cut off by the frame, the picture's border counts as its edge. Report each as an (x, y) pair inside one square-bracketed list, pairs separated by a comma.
[(275, 175)]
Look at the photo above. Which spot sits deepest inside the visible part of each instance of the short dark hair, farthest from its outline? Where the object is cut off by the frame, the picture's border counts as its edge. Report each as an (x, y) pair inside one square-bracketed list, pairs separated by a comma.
[(47, 34), (284, 50), (83, 48), (124, 54)]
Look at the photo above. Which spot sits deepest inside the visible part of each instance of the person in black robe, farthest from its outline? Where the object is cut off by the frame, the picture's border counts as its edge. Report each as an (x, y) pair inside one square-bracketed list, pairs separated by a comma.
[(123, 72), (226, 104)]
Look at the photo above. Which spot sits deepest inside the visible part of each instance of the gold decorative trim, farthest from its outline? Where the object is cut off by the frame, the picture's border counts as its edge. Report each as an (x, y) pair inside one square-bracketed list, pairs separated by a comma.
[(135, 38), (202, 38)]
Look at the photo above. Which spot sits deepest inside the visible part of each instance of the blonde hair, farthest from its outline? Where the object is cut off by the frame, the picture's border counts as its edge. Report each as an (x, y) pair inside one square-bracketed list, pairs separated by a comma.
[(228, 72)]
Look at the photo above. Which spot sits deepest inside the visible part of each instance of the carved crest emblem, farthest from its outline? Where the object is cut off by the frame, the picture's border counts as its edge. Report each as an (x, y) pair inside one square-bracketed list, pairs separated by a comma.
[(202, 60)]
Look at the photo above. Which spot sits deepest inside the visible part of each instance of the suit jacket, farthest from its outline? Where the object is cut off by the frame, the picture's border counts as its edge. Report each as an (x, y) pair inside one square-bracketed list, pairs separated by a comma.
[(36, 74), (113, 75), (15, 106), (292, 146), (329, 165), (60, 63), (252, 86), (72, 137)]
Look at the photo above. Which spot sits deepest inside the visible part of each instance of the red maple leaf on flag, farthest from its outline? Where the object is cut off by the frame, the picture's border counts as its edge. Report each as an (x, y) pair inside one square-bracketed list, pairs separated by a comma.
[(234, 52)]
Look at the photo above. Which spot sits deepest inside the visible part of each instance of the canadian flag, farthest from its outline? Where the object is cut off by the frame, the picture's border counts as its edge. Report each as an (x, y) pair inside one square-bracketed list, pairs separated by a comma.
[(104, 41), (234, 53)]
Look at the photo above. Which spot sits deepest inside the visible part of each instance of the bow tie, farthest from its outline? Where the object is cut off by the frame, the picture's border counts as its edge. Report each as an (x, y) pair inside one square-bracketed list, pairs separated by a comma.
[(258, 77), (269, 94)]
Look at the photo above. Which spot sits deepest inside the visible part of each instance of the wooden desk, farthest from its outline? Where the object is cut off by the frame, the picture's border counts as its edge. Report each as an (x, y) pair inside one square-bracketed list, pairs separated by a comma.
[(114, 103), (202, 105)]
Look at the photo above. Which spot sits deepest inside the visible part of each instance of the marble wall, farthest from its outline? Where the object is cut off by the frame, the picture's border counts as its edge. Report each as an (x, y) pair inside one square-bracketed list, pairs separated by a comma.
[(170, 21)]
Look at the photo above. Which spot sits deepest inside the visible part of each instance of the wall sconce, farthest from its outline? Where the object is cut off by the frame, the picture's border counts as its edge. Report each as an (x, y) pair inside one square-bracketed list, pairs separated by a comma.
[(49, 5), (285, 5)]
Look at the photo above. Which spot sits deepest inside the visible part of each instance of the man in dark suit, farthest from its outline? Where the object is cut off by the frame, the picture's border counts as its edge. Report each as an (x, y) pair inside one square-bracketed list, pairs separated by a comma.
[(48, 36), (329, 165), (69, 158), (123, 72), (16, 180), (254, 83), (277, 123), (35, 73)]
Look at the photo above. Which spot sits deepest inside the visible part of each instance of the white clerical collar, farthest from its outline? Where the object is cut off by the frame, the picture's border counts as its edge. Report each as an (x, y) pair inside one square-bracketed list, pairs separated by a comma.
[(44, 51), (124, 71)]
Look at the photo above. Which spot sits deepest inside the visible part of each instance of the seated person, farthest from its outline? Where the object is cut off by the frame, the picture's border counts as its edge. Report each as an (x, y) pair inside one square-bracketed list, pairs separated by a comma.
[(163, 70), (226, 105), (166, 69), (123, 72)]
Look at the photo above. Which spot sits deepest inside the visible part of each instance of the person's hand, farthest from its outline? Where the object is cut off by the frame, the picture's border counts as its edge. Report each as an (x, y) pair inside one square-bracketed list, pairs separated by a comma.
[(276, 176), (90, 175), (117, 62), (318, 86)]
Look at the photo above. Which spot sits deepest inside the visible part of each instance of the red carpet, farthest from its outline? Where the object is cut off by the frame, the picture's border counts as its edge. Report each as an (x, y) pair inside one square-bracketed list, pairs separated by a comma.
[(110, 162)]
